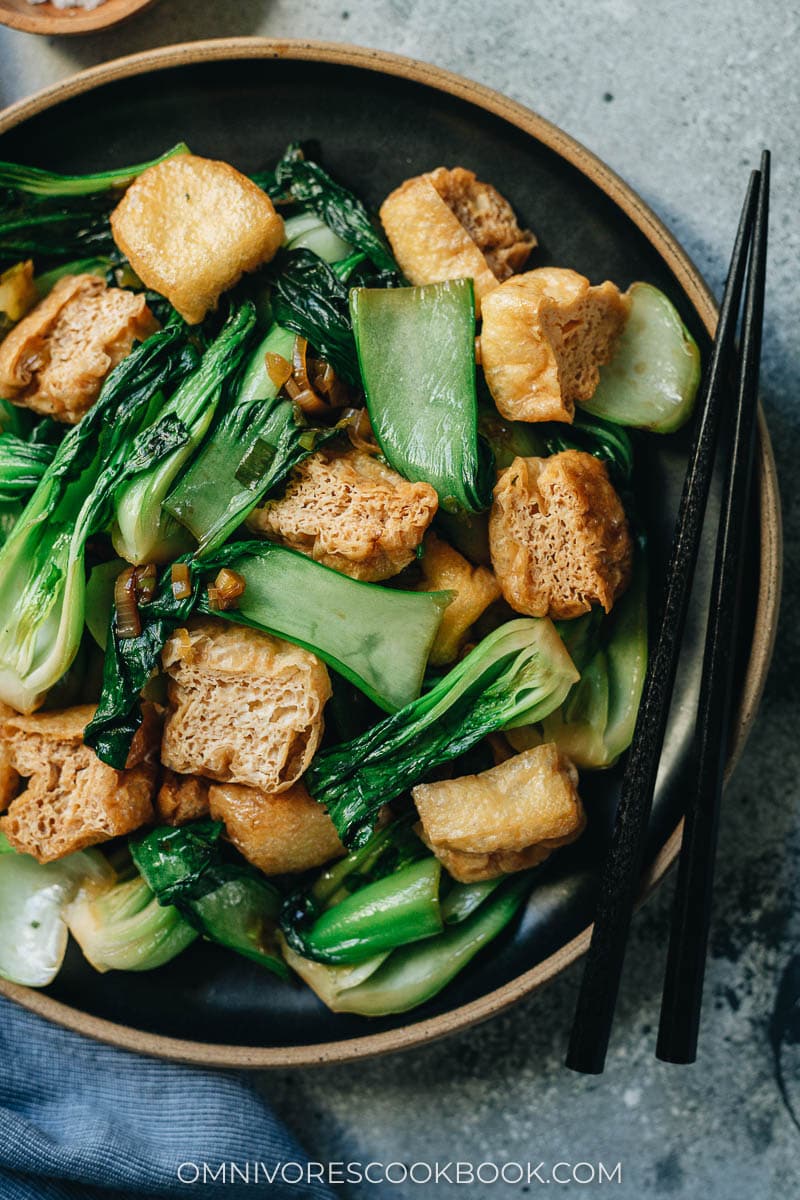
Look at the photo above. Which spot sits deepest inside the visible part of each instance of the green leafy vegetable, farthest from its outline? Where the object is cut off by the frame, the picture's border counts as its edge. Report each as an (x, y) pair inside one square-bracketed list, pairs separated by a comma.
[(515, 676), (124, 928), (379, 638), (416, 350), (226, 900), (61, 216), (595, 724), (33, 896), (309, 298), (403, 907), (99, 604), (412, 974), (652, 380), (42, 577), (142, 531), (22, 465), (381, 895), (308, 184), (594, 435)]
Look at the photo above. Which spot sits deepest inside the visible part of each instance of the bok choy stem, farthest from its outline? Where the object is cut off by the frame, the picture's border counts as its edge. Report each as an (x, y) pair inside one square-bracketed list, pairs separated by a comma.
[(42, 576)]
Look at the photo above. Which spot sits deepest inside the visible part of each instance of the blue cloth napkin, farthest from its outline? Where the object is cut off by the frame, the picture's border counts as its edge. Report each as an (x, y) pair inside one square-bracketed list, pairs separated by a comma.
[(81, 1121)]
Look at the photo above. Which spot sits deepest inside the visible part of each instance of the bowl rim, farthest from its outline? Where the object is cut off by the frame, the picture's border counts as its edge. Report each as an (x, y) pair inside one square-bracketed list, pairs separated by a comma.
[(59, 22), (416, 1033)]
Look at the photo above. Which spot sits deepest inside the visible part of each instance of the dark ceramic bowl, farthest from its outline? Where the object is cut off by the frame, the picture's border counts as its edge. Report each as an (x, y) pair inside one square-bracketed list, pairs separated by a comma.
[(379, 119)]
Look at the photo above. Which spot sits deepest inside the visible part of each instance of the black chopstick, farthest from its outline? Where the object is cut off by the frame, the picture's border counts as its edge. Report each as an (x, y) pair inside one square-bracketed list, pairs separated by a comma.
[(621, 872), (683, 986)]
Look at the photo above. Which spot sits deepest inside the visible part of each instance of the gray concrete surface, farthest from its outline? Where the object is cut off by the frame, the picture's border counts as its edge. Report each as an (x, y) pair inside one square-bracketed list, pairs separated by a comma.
[(678, 98)]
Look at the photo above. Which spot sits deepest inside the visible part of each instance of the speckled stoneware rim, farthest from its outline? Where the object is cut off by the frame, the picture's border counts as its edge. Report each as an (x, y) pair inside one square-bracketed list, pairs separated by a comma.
[(49, 21), (416, 1033)]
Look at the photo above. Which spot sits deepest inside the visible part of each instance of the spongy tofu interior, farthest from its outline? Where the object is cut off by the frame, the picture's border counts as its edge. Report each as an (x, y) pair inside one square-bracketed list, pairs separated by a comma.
[(245, 707)]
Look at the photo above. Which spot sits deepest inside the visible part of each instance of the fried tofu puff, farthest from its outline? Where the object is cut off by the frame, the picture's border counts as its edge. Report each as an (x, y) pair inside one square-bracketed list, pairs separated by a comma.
[(181, 798), (446, 224), (545, 336), (71, 799), (191, 227), (279, 834), (56, 359), (558, 536), (505, 819), (350, 512), (474, 589), (244, 707)]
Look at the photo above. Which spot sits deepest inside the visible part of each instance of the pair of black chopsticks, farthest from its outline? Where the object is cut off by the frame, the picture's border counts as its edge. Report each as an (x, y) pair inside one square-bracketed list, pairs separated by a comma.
[(620, 880)]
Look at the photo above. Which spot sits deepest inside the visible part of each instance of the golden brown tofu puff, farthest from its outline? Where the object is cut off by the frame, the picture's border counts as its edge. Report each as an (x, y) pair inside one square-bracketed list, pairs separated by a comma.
[(56, 359), (191, 227), (181, 798), (545, 335), (558, 536), (278, 834), (71, 799), (446, 224), (504, 819), (244, 707), (350, 512), (474, 589)]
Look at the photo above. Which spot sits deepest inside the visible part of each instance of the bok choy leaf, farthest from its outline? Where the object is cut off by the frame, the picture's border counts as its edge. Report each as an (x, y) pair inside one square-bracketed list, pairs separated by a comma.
[(379, 638), (515, 676), (223, 898), (22, 466), (142, 531), (42, 575), (379, 896), (309, 185), (309, 298), (416, 350)]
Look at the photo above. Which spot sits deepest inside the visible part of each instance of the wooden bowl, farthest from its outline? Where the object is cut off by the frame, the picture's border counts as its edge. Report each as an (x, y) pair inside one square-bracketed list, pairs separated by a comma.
[(47, 19), (380, 118)]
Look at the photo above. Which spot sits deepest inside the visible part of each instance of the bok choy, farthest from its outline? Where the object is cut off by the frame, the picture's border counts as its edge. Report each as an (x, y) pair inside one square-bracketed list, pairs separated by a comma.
[(379, 638), (220, 896), (257, 441), (42, 575), (416, 351), (652, 380), (33, 897), (379, 896), (515, 676), (384, 929), (595, 724), (310, 186), (143, 532), (124, 928), (22, 466)]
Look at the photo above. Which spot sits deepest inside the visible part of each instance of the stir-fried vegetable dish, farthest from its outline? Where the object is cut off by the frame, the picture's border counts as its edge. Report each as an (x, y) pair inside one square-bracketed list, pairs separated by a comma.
[(321, 576)]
